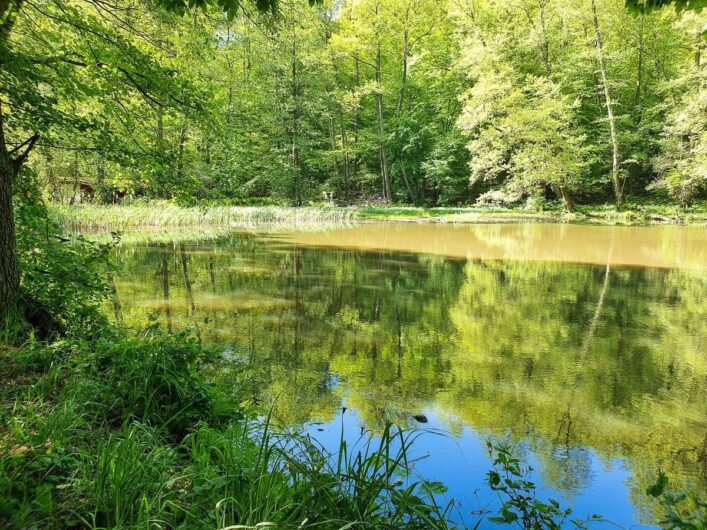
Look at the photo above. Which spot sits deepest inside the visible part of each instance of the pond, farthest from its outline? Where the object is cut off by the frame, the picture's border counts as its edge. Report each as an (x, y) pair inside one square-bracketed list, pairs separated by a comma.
[(585, 346)]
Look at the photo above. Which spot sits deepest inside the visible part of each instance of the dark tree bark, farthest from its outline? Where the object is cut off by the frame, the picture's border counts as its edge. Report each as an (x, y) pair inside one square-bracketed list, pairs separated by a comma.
[(9, 274), (11, 162)]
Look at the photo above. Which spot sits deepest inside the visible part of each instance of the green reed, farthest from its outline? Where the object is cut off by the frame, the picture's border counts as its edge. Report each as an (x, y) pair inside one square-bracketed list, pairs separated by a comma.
[(166, 214)]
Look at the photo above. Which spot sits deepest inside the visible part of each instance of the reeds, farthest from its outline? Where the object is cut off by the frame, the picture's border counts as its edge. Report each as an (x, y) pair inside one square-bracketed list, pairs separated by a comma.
[(166, 214)]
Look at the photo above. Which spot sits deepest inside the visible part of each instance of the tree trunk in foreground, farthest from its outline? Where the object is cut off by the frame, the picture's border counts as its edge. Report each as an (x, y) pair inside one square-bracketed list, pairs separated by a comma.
[(11, 162), (9, 273)]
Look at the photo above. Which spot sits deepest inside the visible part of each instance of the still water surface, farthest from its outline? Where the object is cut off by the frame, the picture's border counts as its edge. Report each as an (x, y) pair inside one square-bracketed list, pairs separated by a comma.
[(585, 345)]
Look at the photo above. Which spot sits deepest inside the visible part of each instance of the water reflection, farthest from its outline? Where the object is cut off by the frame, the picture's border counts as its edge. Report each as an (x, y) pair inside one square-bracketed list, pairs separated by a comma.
[(600, 370)]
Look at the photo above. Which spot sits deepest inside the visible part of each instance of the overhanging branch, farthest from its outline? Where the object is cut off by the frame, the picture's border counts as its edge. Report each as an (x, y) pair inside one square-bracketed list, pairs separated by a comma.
[(28, 145)]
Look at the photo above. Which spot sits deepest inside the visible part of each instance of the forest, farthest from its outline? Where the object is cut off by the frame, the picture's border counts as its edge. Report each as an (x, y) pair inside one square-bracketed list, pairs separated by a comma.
[(178, 376), (399, 101)]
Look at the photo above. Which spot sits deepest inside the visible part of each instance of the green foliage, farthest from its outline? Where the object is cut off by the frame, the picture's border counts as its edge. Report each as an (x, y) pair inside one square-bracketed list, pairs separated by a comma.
[(153, 380), (363, 487), (681, 511), (521, 505), (647, 5), (230, 7), (287, 107), (63, 279), (126, 433), (682, 161)]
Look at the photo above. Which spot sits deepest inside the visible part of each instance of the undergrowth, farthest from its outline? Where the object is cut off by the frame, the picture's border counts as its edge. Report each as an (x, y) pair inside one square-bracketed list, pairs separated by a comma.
[(126, 432)]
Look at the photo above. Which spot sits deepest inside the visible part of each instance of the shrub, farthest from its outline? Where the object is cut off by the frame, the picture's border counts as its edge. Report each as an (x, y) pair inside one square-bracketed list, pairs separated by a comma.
[(521, 506), (63, 280), (154, 380)]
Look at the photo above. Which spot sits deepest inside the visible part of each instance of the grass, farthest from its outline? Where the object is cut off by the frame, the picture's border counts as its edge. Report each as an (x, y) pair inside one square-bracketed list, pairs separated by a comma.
[(124, 432), (166, 214), (633, 213), (163, 214)]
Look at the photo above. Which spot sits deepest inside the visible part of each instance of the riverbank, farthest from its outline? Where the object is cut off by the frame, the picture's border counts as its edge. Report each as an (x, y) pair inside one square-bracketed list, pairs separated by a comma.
[(167, 214), (603, 214)]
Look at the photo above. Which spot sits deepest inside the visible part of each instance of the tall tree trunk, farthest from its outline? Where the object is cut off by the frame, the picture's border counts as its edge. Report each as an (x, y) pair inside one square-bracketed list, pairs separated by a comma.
[(9, 273), (9, 167), (639, 66), (180, 152), (401, 100), (404, 73), (411, 194), (295, 124), (615, 176), (356, 119), (698, 51), (76, 194), (101, 172), (337, 166), (159, 136), (381, 129), (564, 195), (100, 191), (635, 168), (347, 164), (595, 79), (546, 41)]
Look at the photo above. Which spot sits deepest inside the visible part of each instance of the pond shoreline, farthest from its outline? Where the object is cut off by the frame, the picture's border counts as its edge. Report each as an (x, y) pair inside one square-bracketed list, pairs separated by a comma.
[(166, 214)]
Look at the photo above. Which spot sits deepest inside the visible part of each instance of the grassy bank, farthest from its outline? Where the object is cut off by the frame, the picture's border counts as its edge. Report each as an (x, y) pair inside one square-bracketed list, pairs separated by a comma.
[(161, 214), (606, 214), (120, 432), (165, 214)]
